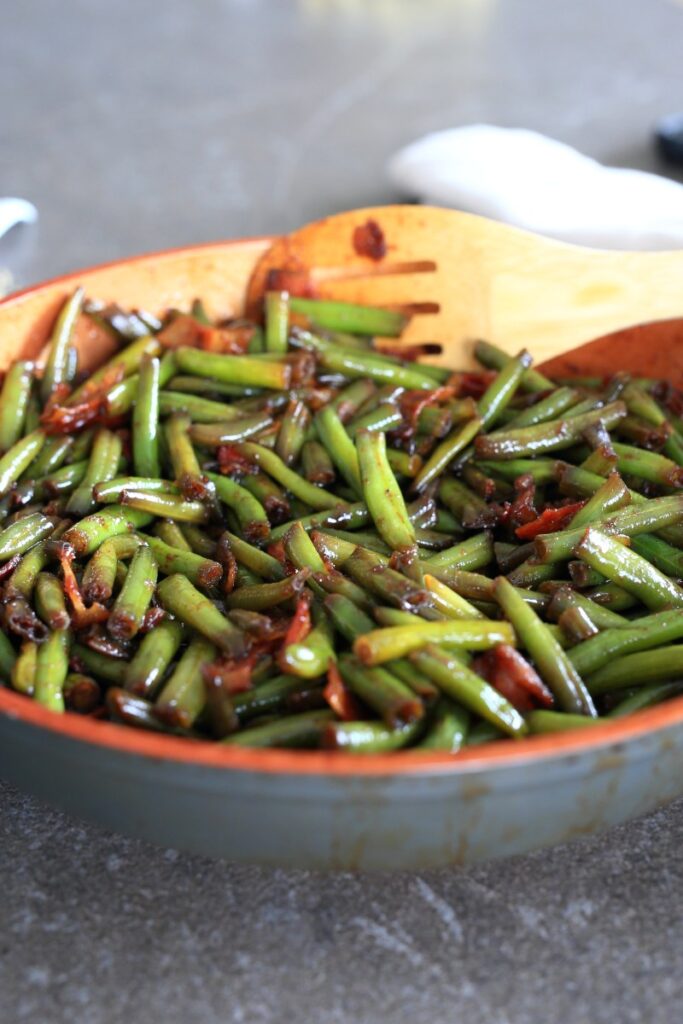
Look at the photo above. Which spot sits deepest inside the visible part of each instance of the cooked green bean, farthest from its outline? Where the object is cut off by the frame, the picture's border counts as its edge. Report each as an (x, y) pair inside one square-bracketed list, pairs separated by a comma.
[(55, 373), (135, 595), (631, 571), (290, 538), (146, 420), (180, 598), (14, 399), (551, 661)]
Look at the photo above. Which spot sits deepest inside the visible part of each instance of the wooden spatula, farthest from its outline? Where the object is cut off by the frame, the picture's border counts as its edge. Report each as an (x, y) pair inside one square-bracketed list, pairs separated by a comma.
[(465, 277)]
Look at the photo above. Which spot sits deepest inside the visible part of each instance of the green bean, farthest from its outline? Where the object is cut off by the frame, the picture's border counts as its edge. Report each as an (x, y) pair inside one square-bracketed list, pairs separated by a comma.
[(171, 534), (345, 316), (183, 694), (542, 471), (258, 562), (347, 517), (55, 373), (201, 571), (273, 465), (14, 398), (645, 697), (367, 737), (394, 701), (339, 447), (52, 456), (641, 635), (23, 534), (181, 599), (311, 657), (146, 420), (354, 398), (470, 554), (495, 359), (499, 393), (301, 550), (201, 410), (302, 730), (630, 570), (276, 306), (266, 595), (111, 670), (18, 458), (246, 370), (609, 497), (466, 688), (554, 666), (87, 535), (556, 721), (604, 618), (102, 466), (628, 521), (111, 491), (250, 513), (384, 417), (648, 466), (212, 435), (189, 386), (22, 670), (135, 595), (448, 602), (124, 364), (52, 666), (316, 464), (444, 453), (100, 573), (448, 728), (292, 432), (662, 555), (544, 437), (169, 505), (548, 408), (353, 364), (50, 601), (157, 650), (135, 711), (650, 666), (383, 496), (396, 641)]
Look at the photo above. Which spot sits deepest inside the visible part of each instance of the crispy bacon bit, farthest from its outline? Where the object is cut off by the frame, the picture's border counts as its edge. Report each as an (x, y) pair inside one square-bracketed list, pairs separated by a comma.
[(300, 623), (411, 353), (368, 240), (473, 385), (99, 640), (82, 616), (8, 568), (339, 698), (228, 340), (183, 330), (22, 620), (302, 367), (276, 549), (232, 676), (411, 403), (232, 460), (549, 520), (153, 616), (295, 280), (512, 675), (226, 558)]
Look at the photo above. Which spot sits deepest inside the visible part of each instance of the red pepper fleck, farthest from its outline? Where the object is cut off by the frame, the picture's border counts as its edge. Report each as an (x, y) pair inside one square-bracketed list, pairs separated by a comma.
[(337, 695), (549, 520)]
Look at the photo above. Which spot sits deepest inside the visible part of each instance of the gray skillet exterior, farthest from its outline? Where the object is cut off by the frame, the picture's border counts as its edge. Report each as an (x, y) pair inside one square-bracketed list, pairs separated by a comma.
[(433, 816)]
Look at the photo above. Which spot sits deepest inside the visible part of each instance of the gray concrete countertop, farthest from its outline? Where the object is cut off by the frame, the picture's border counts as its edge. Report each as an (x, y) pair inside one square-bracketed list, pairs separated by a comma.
[(134, 126)]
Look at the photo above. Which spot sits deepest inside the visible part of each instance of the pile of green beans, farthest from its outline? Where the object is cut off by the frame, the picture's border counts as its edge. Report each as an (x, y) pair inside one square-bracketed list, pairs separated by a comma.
[(279, 534)]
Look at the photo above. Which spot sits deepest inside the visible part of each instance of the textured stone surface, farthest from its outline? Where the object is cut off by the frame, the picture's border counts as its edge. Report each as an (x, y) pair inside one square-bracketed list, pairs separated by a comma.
[(107, 930), (135, 126)]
